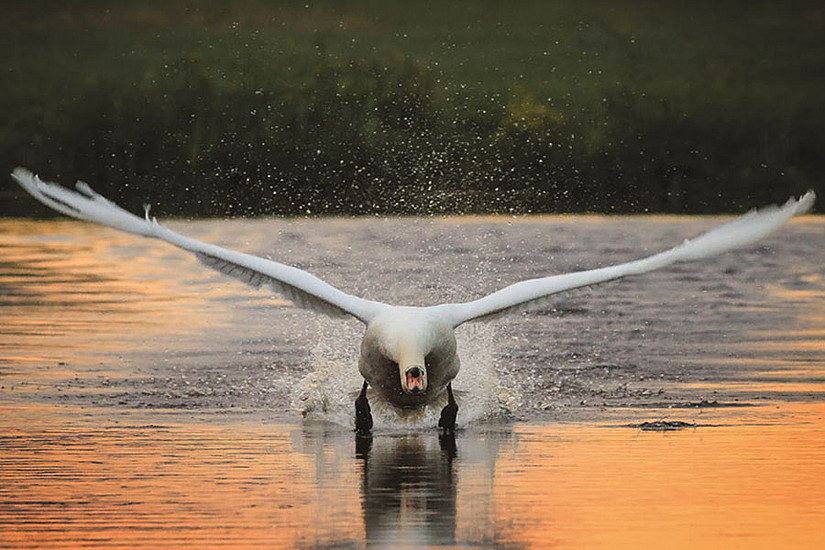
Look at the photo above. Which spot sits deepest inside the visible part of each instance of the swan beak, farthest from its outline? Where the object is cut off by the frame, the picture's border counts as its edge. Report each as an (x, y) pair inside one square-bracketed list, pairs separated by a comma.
[(415, 380)]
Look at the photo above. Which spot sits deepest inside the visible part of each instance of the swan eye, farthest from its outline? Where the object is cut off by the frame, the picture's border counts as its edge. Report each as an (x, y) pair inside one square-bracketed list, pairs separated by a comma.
[(428, 361)]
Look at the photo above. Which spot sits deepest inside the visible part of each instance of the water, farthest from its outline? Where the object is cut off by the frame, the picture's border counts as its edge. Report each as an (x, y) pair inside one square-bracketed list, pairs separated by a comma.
[(147, 401)]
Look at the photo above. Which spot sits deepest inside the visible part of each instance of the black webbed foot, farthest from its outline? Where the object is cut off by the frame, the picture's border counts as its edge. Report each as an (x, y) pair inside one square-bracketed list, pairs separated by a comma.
[(363, 416), (449, 412)]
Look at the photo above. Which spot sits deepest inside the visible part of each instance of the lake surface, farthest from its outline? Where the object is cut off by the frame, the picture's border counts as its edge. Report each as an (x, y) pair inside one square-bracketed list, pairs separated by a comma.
[(147, 401)]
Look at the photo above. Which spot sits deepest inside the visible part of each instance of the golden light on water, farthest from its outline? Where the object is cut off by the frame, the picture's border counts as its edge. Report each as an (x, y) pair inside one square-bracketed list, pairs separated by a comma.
[(253, 484), (82, 303), (724, 487), (155, 485)]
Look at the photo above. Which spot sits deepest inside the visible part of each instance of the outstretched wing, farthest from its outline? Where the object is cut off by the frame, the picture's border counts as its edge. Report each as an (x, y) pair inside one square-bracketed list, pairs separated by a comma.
[(536, 292), (301, 288)]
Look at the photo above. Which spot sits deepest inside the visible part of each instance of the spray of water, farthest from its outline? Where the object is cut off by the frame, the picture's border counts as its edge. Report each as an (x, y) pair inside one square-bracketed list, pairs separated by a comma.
[(327, 394)]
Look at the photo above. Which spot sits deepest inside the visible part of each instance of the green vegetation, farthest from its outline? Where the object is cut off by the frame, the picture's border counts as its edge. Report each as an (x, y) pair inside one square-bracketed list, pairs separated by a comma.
[(365, 107)]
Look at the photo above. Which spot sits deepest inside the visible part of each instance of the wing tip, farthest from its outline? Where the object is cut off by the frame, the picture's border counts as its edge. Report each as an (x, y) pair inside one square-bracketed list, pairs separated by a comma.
[(23, 175), (31, 182), (84, 188), (805, 203)]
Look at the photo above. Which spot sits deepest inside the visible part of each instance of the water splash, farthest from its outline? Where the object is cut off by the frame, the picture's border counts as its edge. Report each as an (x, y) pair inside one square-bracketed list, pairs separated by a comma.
[(481, 393), (327, 394)]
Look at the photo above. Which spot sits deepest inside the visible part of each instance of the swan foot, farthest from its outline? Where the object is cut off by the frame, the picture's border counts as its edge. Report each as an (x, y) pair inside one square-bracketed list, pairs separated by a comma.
[(449, 412), (363, 416)]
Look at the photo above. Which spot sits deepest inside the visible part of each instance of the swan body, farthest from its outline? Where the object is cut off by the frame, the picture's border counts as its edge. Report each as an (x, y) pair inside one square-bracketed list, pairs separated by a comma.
[(401, 339), (408, 354)]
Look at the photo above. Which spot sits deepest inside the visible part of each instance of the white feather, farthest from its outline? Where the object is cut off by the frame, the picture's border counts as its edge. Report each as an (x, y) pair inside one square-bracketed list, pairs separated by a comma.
[(303, 289), (740, 232)]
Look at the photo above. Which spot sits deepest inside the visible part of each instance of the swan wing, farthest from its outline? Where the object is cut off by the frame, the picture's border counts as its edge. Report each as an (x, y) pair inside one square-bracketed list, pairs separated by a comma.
[(301, 288), (537, 292)]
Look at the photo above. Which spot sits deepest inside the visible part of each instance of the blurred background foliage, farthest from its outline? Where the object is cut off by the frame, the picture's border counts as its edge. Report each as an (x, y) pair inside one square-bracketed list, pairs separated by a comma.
[(373, 107)]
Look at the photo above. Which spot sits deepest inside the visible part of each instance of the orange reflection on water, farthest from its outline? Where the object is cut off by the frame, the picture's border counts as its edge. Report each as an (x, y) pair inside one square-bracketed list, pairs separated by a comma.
[(72, 295), (250, 484), (748, 486), (164, 485)]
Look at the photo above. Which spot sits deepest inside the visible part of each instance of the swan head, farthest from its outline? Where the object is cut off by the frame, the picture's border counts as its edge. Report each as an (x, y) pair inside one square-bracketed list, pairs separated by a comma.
[(407, 354), (413, 379)]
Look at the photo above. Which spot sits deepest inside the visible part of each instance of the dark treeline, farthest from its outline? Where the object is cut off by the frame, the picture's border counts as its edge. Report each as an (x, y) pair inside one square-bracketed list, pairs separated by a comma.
[(325, 129)]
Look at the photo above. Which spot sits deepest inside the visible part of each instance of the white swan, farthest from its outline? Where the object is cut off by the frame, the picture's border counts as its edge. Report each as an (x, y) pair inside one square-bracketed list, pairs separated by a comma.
[(408, 354)]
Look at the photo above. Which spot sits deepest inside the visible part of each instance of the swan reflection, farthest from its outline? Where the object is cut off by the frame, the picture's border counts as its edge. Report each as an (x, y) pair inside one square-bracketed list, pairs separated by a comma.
[(406, 485), (408, 489)]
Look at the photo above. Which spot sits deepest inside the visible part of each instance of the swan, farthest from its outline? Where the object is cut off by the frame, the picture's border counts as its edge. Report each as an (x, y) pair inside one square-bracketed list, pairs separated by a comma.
[(408, 354)]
